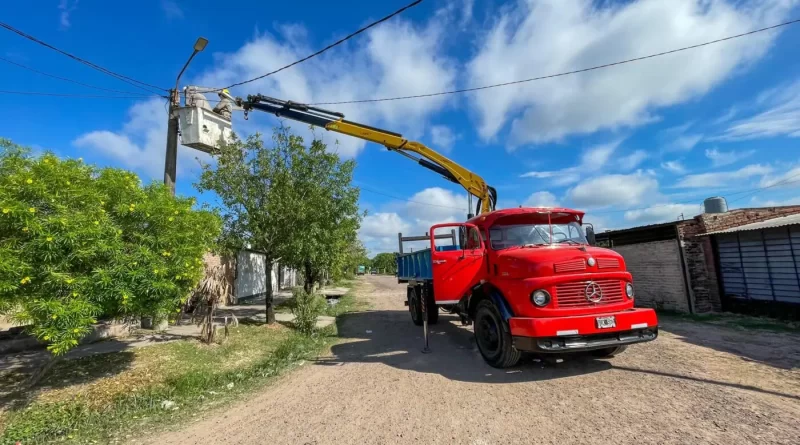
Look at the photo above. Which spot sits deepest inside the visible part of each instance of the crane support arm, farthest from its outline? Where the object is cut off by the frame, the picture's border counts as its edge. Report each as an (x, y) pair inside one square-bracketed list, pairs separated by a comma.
[(334, 121)]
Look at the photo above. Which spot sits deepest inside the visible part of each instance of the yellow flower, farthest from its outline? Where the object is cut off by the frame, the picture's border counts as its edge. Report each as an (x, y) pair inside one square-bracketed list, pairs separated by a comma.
[(29, 181), (75, 331), (46, 337), (69, 183), (148, 214), (171, 219), (133, 205), (5, 210), (177, 277), (46, 161), (102, 211), (119, 231), (24, 229), (97, 223), (70, 280), (155, 270), (74, 294), (124, 296), (176, 212), (49, 239), (54, 316), (25, 280), (32, 210), (134, 264), (102, 203), (185, 264)]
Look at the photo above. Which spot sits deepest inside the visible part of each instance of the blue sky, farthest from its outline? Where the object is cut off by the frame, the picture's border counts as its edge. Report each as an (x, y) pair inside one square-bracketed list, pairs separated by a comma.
[(633, 144)]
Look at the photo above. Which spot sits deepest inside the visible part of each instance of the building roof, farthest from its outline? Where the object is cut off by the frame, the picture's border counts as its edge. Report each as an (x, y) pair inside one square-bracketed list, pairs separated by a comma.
[(767, 224)]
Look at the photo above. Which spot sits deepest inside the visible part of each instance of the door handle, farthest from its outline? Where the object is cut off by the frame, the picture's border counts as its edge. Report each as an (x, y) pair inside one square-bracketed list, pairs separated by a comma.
[(439, 261)]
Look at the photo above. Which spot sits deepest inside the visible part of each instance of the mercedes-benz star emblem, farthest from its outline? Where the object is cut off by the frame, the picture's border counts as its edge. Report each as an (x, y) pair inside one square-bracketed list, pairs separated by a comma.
[(593, 292)]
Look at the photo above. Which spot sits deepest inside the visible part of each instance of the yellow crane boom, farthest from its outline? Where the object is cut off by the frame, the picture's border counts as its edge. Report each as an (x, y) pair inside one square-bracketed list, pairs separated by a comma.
[(334, 121)]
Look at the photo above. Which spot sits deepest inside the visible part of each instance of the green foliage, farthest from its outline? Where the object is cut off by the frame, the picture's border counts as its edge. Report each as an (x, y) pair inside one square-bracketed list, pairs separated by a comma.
[(354, 255), (78, 242), (290, 201), (306, 307), (385, 262)]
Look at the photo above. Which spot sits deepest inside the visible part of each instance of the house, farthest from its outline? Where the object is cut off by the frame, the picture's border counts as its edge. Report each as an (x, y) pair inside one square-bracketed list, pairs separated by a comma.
[(743, 260), (247, 274)]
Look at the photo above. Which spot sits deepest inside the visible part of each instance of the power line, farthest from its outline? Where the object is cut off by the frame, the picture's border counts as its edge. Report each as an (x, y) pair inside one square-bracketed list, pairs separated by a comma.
[(377, 192), (126, 79), (91, 96), (66, 79), (758, 190), (338, 42), (567, 73)]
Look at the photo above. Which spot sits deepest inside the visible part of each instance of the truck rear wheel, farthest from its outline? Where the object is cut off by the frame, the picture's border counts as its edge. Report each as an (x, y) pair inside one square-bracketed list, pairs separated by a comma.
[(608, 352), (414, 306), (494, 341)]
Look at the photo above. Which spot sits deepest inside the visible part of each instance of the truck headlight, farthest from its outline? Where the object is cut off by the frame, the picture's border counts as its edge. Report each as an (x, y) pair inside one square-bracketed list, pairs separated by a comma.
[(629, 290), (540, 297)]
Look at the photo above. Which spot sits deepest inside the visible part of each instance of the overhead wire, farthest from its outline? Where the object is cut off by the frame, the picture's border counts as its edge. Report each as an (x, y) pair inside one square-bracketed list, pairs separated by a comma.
[(67, 79), (388, 195), (336, 43), (89, 96), (137, 83), (566, 73)]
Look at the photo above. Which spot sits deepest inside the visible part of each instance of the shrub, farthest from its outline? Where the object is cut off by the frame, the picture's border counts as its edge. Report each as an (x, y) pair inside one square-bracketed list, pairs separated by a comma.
[(306, 307), (78, 242)]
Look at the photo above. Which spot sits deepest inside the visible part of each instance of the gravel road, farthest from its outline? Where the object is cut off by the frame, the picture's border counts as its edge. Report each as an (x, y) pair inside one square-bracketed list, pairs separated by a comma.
[(696, 383)]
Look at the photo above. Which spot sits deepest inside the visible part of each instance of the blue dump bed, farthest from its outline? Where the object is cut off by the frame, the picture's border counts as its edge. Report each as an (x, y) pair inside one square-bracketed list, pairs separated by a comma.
[(417, 265)]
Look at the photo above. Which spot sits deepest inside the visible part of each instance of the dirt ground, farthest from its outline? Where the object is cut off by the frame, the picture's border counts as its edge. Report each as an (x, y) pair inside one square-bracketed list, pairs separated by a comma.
[(696, 383)]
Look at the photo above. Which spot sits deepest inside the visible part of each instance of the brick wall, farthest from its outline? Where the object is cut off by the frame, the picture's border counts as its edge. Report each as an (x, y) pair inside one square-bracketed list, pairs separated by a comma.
[(657, 275), (699, 252)]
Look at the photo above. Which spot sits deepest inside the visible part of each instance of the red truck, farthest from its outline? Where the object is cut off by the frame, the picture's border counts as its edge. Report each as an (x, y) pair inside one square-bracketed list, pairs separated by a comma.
[(529, 280)]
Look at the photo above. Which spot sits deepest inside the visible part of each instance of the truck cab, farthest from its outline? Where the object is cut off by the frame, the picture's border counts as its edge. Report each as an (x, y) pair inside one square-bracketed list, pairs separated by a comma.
[(529, 280)]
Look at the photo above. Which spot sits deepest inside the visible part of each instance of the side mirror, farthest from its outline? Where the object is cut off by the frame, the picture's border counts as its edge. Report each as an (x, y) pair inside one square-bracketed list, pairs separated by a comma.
[(590, 235)]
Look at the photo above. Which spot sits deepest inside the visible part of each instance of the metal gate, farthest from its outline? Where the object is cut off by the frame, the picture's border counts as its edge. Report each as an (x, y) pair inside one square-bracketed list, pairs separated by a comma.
[(760, 265)]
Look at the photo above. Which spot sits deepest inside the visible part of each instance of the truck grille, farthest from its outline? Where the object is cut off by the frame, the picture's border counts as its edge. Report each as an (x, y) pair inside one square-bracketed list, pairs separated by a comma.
[(570, 266), (607, 263), (573, 294)]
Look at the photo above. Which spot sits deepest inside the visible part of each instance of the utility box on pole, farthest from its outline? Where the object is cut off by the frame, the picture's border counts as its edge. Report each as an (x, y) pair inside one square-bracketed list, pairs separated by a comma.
[(202, 129)]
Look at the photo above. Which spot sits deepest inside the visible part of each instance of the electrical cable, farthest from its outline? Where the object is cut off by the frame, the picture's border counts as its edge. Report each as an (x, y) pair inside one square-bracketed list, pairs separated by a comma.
[(121, 77), (567, 73), (377, 192), (338, 42), (68, 80), (90, 96)]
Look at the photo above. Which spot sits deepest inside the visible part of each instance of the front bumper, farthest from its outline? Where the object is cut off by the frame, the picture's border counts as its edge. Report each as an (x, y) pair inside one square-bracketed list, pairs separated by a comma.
[(580, 333)]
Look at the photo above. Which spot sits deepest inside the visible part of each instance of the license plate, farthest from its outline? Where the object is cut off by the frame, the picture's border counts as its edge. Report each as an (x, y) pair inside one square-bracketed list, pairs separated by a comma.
[(605, 322)]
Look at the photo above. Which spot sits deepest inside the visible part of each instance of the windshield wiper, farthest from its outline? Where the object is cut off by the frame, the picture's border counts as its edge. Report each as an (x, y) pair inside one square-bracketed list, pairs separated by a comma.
[(568, 241), (534, 245)]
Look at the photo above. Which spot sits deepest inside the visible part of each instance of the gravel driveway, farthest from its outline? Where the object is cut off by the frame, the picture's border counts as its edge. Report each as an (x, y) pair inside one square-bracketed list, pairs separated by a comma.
[(696, 383)]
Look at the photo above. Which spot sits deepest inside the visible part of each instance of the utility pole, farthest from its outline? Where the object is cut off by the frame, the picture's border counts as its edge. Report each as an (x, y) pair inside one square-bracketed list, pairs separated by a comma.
[(171, 156)]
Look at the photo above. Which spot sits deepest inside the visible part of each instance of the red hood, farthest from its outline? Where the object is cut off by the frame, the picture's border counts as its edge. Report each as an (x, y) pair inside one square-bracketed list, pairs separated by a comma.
[(529, 262)]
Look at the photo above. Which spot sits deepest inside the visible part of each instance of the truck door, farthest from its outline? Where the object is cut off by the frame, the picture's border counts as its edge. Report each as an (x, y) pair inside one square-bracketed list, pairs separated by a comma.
[(457, 263)]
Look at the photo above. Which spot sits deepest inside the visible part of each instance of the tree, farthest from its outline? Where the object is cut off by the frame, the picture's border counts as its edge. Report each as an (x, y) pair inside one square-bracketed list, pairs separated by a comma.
[(78, 243), (385, 262)]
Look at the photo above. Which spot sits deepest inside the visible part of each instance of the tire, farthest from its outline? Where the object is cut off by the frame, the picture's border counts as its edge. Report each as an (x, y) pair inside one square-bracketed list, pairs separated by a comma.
[(492, 337), (608, 352), (414, 307), (433, 309)]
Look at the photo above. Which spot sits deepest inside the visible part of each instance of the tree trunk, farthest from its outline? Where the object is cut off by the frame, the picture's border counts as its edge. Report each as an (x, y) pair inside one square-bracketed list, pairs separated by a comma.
[(308, 284), (269, 297)]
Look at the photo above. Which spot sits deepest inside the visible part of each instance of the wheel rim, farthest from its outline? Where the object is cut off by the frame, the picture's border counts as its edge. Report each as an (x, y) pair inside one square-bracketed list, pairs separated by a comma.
[(488, 335)]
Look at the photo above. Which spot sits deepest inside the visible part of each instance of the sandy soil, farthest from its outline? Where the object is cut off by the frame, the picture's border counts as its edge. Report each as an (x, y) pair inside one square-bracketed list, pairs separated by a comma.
[(696, 383)]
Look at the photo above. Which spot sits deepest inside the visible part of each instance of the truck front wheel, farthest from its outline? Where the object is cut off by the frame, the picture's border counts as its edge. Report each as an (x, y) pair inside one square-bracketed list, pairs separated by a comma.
[(494, 341)]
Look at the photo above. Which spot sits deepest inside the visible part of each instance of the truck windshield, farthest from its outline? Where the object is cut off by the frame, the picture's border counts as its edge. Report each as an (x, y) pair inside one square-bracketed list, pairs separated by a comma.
[(505, 236)]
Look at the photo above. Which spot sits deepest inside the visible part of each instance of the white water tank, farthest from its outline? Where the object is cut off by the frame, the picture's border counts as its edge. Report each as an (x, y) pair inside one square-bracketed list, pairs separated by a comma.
[(715, 204)]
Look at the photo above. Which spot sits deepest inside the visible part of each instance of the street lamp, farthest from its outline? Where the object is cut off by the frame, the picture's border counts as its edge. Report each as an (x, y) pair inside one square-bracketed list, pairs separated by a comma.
[(171, 158)]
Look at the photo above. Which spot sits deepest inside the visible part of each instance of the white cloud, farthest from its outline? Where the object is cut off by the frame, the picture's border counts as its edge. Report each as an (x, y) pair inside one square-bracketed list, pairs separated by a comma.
[(443, 137), (368, 68), (662, 213), (141, 142), (592, 160), (171, 9), (537, 38), (721, 179), (722, 158), (632, 160), (620, 190), (66, 7), (788, 179), (414, 216), (541, 199), (679, 138), (779, 116), (757, 202), (674, 167)]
